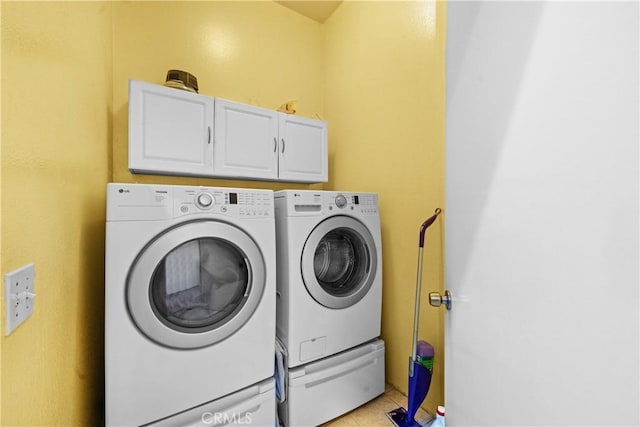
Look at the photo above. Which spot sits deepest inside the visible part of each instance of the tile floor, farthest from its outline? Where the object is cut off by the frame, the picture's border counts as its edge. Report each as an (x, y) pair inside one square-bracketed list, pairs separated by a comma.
[(374, 413)]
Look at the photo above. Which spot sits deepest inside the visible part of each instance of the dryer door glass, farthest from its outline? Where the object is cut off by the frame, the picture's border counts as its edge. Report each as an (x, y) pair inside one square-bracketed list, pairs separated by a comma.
[(196, 284), (339, 262), (200, 285)]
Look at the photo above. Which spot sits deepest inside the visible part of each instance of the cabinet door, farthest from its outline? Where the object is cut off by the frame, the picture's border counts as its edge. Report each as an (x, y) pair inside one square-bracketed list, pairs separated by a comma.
[(303, 149), (170, 130), (246, 141)]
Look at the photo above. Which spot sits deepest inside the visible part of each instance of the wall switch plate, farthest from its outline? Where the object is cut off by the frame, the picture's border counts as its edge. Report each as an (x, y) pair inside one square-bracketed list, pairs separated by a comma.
[(20, 295)]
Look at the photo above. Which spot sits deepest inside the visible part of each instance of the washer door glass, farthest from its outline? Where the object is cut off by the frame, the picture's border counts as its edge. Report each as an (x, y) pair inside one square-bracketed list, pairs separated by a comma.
[(339, 262), (200, 285), (195, 284)]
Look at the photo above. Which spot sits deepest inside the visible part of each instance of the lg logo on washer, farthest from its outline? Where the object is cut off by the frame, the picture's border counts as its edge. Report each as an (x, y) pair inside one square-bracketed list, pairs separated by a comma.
[(223, 418)]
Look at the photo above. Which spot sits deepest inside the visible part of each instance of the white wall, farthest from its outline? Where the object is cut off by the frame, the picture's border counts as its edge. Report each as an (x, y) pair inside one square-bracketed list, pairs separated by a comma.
[(542, 213)]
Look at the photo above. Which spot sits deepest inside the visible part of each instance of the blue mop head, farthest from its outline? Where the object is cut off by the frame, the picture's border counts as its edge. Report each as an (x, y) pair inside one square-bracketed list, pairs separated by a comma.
[(419, 382)]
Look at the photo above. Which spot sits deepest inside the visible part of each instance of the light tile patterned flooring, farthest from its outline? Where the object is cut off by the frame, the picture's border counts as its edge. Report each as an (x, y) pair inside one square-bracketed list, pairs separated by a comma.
[(374, 413)]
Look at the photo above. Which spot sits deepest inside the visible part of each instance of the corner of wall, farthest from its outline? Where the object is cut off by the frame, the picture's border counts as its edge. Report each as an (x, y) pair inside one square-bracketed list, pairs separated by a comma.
[(385, 103), (62, 50)]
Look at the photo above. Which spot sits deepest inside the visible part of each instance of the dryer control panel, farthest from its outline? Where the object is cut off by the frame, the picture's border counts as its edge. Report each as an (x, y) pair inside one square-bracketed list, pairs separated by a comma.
[(313, 203), (363, 203)]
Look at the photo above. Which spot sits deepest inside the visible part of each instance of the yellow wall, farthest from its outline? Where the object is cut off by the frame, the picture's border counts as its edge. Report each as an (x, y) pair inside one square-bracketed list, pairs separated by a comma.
[(257, 53), (56, 146), (385, 107), (374, 71), (1, 269)]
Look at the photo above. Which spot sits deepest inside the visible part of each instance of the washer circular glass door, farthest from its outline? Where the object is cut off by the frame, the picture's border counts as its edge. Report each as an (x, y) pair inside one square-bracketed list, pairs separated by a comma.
[(339, 262), (195, 284)]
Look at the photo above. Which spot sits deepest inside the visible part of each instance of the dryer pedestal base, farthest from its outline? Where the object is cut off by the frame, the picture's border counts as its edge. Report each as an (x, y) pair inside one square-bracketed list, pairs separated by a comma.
[(325, 389)]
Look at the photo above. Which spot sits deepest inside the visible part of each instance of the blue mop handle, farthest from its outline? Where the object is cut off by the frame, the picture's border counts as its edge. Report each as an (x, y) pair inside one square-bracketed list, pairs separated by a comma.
[(416, 314)]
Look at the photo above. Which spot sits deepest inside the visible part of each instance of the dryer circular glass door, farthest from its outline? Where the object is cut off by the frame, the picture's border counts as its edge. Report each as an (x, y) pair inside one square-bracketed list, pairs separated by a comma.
[(339, 262), (195, 284)]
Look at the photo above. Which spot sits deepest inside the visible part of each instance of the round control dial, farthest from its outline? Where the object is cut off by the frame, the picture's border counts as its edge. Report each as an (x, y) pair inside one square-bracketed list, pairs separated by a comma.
[(204, 200), (341, 201)]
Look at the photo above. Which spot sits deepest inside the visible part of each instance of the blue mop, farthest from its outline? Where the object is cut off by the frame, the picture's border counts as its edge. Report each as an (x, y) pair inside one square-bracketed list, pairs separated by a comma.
[(419, 374)]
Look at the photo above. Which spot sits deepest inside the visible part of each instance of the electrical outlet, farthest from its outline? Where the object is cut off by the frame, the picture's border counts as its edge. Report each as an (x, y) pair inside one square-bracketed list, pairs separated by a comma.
[(20, 295)]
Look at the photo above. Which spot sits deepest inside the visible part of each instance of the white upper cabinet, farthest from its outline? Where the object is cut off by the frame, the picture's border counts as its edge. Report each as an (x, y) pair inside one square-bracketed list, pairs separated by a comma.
[(303, 149), (175, 132), (246, 141), (253, 142), (170, 130)]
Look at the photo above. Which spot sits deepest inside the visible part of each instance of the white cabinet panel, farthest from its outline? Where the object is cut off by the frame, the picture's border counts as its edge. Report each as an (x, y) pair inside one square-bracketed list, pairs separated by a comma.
[(303, 149), (170, 131), (257, 143), (245, 141), (175, 132)]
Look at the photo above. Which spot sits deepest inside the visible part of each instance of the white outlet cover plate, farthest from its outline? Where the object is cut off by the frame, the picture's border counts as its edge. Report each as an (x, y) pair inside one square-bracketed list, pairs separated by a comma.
[(20, 295)]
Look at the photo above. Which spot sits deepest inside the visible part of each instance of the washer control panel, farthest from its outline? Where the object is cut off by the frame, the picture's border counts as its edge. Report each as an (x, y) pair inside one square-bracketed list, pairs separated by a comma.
[(147, 202), (226, 201)]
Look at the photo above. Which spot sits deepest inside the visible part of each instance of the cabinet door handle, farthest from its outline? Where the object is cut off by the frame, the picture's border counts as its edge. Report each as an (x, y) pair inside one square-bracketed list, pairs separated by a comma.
[(275, 144), (282, 139), (209, 135)]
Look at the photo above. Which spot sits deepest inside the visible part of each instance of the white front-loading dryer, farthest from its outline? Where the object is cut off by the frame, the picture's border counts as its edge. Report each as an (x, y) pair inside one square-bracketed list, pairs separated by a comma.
[(189, 297), (329, 272)]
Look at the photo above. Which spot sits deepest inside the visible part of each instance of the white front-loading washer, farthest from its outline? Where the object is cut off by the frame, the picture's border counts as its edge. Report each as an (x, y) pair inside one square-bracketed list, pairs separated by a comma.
[(329, 272), (189, 297)]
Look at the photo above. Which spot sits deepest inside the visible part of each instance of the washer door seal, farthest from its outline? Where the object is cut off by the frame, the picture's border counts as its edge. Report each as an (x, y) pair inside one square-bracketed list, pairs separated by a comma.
[(339, 262), (189, 312)]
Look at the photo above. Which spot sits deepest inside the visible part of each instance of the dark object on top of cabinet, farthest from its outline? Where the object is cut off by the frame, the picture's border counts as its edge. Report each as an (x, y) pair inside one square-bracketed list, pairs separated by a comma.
[(179, 79)]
